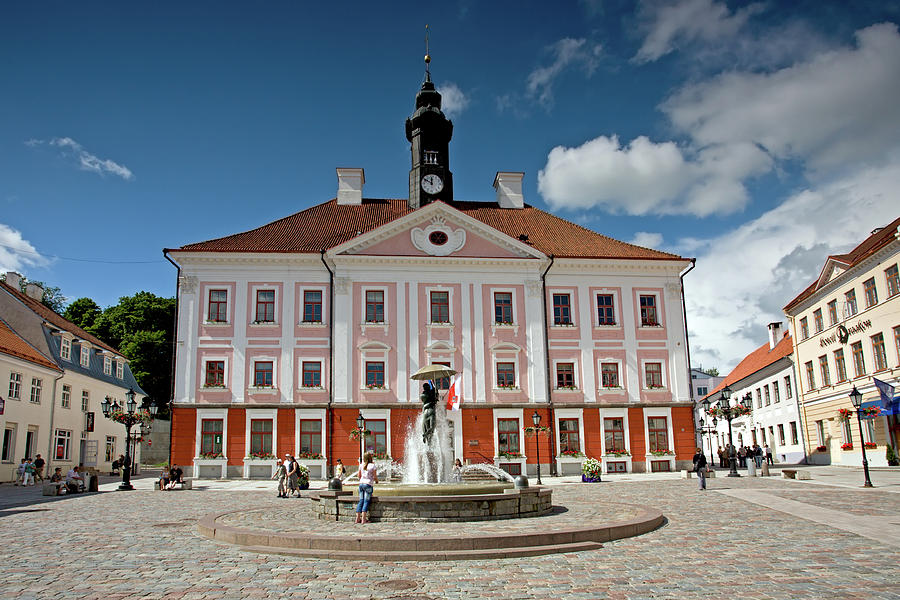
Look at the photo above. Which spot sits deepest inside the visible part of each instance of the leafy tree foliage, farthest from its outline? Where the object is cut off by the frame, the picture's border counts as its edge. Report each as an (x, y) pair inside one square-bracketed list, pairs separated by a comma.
[(713, 372), (83, 312), (53, 297), (142, 328)]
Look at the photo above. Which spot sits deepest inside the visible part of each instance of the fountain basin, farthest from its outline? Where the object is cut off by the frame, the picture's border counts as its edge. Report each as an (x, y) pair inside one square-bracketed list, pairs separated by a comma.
[(437, 489), (510, 503)]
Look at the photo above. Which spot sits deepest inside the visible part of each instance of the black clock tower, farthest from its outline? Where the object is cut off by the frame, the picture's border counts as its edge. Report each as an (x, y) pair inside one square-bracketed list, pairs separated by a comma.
[(429, 133)]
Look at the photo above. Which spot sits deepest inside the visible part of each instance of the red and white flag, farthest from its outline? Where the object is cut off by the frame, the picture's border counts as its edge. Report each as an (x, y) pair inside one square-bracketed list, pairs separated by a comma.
[(454, 394)]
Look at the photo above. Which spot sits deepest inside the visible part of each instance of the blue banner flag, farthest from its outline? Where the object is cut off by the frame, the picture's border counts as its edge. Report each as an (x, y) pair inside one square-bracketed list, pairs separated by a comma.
[(886, 404)]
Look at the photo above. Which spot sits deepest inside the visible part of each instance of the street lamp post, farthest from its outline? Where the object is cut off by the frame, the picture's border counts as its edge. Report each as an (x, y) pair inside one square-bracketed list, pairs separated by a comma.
[(536, 419), (856, 399), (731, 412), (708, 430), (360, 426), (128, 415)]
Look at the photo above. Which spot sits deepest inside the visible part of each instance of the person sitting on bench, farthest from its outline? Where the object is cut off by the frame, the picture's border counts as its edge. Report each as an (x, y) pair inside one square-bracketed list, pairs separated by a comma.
[(176, 476), (74, 481)]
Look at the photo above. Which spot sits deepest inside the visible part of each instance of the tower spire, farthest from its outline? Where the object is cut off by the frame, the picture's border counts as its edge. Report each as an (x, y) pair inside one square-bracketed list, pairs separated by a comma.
[(427, 56)]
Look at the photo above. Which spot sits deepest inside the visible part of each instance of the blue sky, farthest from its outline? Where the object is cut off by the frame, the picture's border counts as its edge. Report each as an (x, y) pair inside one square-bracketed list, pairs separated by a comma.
[(757, 137)]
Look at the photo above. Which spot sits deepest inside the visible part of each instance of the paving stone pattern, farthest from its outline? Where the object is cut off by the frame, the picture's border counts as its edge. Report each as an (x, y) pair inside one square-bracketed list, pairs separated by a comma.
[(144, 544)]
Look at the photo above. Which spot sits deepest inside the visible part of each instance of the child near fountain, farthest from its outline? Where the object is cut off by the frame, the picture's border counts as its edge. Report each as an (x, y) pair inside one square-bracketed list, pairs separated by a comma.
[(368, 476)]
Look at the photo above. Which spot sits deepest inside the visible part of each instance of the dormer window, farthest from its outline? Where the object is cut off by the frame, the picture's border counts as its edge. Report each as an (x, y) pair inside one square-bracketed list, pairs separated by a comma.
[(120, 369), (107, 365), (431, 157), (85, 356), (65, 349)]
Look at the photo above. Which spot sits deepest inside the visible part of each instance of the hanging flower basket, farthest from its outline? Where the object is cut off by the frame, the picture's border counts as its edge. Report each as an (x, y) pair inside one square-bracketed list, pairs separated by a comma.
[(357, 434), (530, 431), (844, 414), (120, 416), (872, 411)]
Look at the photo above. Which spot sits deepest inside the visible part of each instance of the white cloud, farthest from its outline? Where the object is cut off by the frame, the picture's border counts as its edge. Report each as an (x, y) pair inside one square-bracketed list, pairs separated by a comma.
[(86, 160), (745, 276), (647, 239), (565, 53), (649, 178), (831, 114), (453, 100), (838, 106), (16, 253), (671, 25)]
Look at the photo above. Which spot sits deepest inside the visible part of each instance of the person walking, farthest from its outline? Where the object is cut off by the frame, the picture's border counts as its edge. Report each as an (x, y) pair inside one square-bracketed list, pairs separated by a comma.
[(368, 477), (757, 455), (281, 475), (768, 452), (293, 473), (700, 468), (28, 476), (39, 468)]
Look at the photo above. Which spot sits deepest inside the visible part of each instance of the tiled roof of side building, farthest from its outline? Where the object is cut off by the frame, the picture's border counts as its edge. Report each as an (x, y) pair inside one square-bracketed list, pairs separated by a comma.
[(51, 317), (13, 345), (869, 246), (758, 359), (329, 224)]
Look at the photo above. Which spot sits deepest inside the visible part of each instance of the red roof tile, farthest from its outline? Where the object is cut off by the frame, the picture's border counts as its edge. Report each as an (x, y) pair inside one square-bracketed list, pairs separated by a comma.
[(329, 224), (758, 359), (869, 246), (56, 320), (13, 345)]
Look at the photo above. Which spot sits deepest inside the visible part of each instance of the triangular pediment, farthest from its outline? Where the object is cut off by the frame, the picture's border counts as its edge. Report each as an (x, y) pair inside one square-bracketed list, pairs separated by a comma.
[(833, 269), (437, 230)]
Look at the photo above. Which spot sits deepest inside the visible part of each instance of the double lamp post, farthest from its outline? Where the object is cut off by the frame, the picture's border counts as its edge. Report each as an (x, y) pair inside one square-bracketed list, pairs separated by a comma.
[(128, 415), (729, 411)]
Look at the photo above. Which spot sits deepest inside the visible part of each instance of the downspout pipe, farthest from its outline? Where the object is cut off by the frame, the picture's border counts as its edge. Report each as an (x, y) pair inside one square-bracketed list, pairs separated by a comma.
[(329, 415), (687, 349), (174, 347), (547, 360)]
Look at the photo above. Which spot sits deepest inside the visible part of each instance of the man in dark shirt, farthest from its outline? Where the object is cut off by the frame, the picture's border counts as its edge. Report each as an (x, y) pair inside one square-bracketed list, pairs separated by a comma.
[(39, 467)]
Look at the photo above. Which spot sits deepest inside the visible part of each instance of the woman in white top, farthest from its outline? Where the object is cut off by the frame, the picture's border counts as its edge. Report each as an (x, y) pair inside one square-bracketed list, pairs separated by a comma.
[(367, 477)]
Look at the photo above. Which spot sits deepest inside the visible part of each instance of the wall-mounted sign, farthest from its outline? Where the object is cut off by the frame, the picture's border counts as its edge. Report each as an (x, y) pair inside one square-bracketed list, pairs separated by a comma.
[(2, 405), (842, 333), (89, 421)]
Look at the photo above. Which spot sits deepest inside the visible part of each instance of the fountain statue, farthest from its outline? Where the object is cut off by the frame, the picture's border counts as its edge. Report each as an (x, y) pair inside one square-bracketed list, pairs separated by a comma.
[(429, 401)]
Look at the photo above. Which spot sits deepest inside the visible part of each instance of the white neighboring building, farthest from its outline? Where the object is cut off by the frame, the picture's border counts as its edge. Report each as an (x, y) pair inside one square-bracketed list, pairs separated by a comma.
[(767, 374), (56, 375)]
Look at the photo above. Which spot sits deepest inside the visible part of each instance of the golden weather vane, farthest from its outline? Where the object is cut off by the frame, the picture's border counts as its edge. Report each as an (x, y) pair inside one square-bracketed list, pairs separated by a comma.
[(427, 55)]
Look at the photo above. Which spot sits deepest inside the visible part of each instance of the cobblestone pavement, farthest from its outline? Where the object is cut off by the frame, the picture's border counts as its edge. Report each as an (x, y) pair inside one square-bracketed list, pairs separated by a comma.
[(143, 544)]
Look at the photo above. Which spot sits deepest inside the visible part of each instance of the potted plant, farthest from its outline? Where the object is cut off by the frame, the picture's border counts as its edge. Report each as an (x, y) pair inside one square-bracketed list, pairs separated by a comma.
[(210, 455), (571, 454), (891, 457), (303, 477), (506, 454), (821, 449), (871, 445), (591, 469), (847, 446), (356, 433), (262, 456)]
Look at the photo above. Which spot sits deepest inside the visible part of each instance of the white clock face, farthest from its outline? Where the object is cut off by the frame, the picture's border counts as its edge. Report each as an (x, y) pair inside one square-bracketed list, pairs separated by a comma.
[(432, 184)]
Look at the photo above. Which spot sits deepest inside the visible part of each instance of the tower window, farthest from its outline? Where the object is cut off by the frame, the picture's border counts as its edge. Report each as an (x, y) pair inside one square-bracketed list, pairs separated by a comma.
[(431, 157)]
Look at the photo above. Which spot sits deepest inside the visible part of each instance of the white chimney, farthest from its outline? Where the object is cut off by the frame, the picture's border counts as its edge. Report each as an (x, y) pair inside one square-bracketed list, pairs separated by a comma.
[(509, 189), (13, 280), (34, 290), (773, 334), (350, 185)]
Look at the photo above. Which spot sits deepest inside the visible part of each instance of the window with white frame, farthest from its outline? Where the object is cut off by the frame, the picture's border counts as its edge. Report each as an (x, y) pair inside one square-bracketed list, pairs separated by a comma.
[(375, 374), (810, 376), (36, 386), (832, 312), (776, 392), (260, 437), (211, 437), (569, 442), (562, 309), (110, 448), (263, 373), (804, 328), (869, 430), (609, 375), (214, 374), (823, 370), (758, 398), (66, 399), (892, 280), (85, 356), (793, 425), (614, 434), (820, 433), (846, 432), (120, 369), (788, 392), (850, 303), (265, 306), (61, 447), (653, 378), (311, 373), (658, 434), (218, 306), (859, 361), (506, 374), (65, 348), (440, 306), (508, 436), (649, 315), (107, 365), (565, 375), (312, 306), (503, 308), (870, 292), (606, 309), (15, 386), (767, 394), (781, 434), (85, 401), (374, 306), (840, 368), (878, 353), (9, 443), (310, 436), (818, 322)]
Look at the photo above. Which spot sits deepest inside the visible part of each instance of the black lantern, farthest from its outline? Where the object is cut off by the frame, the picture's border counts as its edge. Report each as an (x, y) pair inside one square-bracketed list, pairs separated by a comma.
[(536, 419), (856, 398), (131, 418), (360, 426)]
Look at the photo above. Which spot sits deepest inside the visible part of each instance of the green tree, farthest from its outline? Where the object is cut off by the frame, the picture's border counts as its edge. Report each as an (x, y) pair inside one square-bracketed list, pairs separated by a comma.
[(714, 372), (52, 298), (83, 312), (142, 328)]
